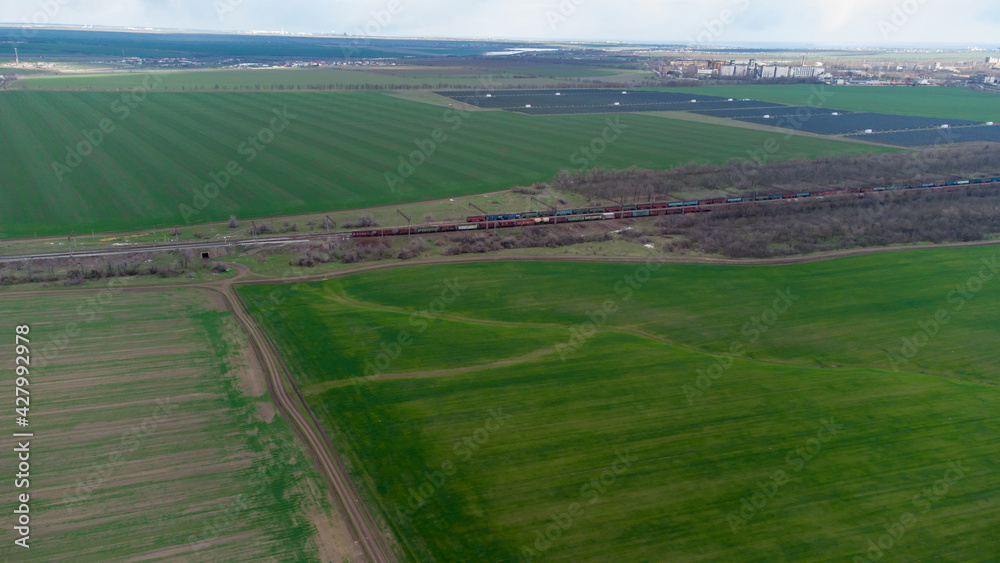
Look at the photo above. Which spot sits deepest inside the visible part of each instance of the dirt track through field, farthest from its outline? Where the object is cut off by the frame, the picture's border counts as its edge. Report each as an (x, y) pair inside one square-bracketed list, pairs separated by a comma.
[(366, 534), (369, 539)]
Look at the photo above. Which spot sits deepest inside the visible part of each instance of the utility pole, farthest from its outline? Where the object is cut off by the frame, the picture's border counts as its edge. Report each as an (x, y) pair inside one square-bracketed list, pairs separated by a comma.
[(407, 217), (543, 203), (404, 216), (484, 212)]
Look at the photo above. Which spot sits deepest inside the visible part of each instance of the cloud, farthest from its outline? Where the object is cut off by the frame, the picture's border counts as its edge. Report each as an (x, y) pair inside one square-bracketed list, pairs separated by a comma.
[(667, 21)]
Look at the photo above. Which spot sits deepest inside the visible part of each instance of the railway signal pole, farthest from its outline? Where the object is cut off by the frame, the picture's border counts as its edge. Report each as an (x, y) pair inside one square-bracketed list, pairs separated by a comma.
[(407, 217), (543, 203), (483, 211)]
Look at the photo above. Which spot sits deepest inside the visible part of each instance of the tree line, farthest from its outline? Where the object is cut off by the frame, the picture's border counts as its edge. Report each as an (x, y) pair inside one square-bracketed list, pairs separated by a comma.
[(798, 227), (740, 177)]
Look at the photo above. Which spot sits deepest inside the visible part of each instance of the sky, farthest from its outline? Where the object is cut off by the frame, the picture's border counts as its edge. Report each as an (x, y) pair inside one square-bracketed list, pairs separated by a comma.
[(719, 22)]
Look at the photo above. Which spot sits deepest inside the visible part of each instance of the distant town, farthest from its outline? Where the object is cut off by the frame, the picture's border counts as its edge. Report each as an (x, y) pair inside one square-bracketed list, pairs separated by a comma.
[(985, 73)]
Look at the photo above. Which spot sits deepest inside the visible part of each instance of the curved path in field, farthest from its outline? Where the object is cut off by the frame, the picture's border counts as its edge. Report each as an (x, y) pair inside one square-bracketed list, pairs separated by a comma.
[(369, 543), (294, 408), (369, 540)]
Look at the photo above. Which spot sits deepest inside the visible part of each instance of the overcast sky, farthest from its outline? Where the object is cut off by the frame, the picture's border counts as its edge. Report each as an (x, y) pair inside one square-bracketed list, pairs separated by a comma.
[(869, 22)]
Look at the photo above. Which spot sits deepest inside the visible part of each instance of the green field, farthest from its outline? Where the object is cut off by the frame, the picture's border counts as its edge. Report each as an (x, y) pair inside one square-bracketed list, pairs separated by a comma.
[(955, 103), (469, 74), (305, 78), (334, 154), (695, 447), (155, 438)]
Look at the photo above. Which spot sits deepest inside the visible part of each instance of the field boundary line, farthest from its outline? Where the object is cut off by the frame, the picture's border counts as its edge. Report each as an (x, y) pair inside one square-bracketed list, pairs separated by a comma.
[(704, 260), (367, 535)]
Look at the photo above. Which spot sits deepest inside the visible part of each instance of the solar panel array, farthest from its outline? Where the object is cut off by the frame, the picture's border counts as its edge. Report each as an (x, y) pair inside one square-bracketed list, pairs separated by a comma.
[(760, 111), (885, 128), (845, 124), (553, 102), (937, 136)]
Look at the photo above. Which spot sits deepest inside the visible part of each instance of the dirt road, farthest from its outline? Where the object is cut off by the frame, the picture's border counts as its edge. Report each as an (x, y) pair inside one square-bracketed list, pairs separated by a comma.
[(365, 532), (369, 540)]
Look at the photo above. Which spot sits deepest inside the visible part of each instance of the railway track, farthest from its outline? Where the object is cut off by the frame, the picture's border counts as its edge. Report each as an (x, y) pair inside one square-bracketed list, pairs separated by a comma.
[(638, 210), (169, 246), (521, 220)]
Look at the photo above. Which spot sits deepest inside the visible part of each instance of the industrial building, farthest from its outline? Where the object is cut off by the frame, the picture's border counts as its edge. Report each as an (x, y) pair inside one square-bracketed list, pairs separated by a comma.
[(752, 70)]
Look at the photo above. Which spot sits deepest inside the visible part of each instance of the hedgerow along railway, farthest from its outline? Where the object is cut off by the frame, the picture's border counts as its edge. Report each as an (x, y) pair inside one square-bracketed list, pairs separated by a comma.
[(532, 218)]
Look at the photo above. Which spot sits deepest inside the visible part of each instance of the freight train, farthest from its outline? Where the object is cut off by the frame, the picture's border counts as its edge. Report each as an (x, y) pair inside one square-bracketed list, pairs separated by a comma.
[(529, 218)]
